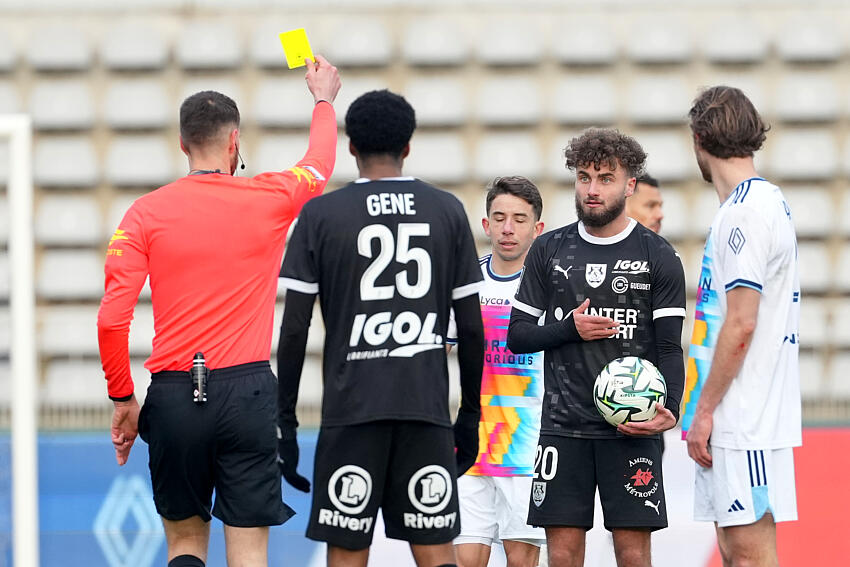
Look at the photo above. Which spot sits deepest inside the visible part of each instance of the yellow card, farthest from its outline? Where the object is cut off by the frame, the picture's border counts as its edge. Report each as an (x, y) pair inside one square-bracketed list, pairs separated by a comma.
[(296, 47)]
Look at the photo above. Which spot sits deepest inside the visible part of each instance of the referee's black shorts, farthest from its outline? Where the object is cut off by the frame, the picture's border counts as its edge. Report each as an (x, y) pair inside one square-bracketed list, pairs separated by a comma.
[(228, 443)]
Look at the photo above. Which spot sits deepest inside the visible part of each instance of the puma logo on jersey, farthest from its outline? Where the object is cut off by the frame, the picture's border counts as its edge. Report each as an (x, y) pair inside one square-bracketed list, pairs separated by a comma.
[(563, 271), (653, 506)]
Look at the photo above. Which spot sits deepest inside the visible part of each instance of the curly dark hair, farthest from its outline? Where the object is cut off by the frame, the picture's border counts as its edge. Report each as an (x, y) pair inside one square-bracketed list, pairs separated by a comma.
[(605, 146), (203, 115), (726, 124), (380, 123)]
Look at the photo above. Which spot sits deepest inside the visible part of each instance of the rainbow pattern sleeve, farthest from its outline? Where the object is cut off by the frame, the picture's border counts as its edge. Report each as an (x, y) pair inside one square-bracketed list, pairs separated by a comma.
[(511, 394), (707, 321)]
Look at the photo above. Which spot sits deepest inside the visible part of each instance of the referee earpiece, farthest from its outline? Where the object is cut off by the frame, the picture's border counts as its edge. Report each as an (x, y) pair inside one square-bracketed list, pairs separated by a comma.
[(240, 159)]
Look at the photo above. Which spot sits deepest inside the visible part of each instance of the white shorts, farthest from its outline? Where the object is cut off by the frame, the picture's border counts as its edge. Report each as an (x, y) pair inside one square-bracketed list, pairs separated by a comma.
[(495, 508), (742, 485)]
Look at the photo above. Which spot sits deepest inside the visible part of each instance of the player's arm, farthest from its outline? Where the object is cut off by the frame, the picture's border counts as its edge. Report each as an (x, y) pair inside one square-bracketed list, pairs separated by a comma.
[(470, 356), (291, 349), (125, 270), (526, 335), (733, 343)]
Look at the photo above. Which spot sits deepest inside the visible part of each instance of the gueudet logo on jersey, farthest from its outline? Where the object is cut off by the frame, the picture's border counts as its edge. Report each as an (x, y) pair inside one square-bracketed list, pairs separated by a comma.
[(412, 335)]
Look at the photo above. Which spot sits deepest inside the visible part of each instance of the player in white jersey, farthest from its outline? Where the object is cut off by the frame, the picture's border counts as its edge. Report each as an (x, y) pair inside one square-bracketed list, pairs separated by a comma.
[(742, 401), (494, 493)]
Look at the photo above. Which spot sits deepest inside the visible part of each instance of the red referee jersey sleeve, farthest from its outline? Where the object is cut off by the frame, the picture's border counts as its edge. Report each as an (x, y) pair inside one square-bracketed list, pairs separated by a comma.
[(126, 270)]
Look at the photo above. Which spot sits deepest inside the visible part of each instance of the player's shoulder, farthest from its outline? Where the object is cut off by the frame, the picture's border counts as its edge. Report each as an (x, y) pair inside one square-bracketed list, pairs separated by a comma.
[(753, 194), (557, 236)]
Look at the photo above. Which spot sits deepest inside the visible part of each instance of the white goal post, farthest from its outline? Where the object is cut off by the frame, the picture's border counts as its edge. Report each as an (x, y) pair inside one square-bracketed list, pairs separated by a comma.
[(17, 128)]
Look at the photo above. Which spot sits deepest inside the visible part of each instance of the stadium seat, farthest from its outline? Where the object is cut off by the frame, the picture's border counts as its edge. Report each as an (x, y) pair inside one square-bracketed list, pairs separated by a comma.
[(813, 210), (70, 274), (278, 152), (815, 267), (581, 46), (10, 102), (661, 40), (844, 211), (193, 84), (842, 269), (556, 163), (67, 330), (507, 153), (508, 101), (803, 154), (59, 47), (703, 210), (359, 42), (669, 154), (5, 385), (141, 331), (585, 99), (265, 48), (677, 217), (4, 217), (208, 45), (354, 87), (117, 208), (814, 322), (840, 328), (5, 165), (658, 99), (68, 220), (734, 41), (62, 104), (807, 97), (839, 385), (8, 52), (812, 375), (73, 382), (510, 40), (434, 41), (345, 169), (752, 84), (438, 158), (691, 256), (65, 162), (282, 102), (5, 332), (134, 45), (559, 209), (809, 39), (142, 161), (138, 104), (5, 276), (439, 101)]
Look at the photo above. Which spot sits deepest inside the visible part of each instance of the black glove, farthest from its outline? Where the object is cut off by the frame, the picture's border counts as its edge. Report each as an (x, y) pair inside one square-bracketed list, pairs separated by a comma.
[(466, 440), (287, 460)]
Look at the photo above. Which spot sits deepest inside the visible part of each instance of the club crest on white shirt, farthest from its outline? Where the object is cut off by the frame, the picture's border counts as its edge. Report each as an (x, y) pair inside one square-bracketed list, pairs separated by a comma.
[(595, 274)]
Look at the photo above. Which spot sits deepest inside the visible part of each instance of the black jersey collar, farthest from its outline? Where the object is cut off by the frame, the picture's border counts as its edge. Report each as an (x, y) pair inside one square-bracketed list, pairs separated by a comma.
[(586, 236)]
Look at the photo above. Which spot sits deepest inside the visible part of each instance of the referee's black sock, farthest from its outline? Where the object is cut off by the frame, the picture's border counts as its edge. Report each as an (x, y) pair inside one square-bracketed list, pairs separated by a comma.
[(186, 561)]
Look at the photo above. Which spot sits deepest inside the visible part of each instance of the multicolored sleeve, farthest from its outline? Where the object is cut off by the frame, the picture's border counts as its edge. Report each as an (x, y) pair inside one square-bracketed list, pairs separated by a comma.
[(126, 269)]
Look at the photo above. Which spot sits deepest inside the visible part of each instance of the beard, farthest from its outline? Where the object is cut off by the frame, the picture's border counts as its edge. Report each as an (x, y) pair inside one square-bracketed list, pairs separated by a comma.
[(602, 216)]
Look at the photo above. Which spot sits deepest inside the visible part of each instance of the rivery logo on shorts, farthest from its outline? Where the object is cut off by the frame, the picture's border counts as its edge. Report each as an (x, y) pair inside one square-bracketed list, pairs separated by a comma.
[(430, 491), (412, 334), (642, 483), (349, 489), (538, 492), (565, 271), (594, 274), (631, 267)]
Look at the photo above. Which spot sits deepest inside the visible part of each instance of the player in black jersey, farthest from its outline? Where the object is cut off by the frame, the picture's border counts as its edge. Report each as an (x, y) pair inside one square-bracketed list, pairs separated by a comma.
[(388, 256), (608, 287)]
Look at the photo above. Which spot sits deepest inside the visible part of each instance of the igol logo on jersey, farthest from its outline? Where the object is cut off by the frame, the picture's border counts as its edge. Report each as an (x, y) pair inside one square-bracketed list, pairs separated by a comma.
[(430, 491), (620, 284), (595, 274), (407, 330), (538, 493), (631, 267), (642, 483), (349, 489)]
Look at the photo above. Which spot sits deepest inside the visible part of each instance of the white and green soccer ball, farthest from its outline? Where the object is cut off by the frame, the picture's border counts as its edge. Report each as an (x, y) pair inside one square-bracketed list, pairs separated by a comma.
[(626, 390)]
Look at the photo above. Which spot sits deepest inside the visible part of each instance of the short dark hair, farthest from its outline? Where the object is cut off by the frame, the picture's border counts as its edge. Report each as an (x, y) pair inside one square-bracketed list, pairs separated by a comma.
[(726, 124), (606, 146), (380, 123), (647, 179), (517, 186), (203, 115)]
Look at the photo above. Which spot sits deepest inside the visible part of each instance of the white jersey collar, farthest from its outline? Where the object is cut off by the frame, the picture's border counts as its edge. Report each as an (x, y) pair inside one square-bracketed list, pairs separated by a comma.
[(367, 180), (586, 236)]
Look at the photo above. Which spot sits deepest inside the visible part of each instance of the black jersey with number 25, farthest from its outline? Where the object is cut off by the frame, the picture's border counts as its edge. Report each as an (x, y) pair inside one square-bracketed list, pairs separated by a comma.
[(633, 277), (387, 257)]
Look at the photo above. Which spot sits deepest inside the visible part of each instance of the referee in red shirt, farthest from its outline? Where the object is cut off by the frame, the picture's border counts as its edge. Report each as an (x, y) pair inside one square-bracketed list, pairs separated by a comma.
[(212, 245)]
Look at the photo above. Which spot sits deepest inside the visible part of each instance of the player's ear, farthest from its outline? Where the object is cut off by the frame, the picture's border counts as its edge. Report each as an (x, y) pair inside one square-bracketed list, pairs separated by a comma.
[(406, 151), (351, 149), (183, 147), (233, 140), (485, 222), (538, 228), (630, 186)]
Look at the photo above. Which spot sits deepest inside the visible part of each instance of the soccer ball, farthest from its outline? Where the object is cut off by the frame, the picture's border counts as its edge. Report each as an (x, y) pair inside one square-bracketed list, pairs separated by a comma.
[(626, 390)]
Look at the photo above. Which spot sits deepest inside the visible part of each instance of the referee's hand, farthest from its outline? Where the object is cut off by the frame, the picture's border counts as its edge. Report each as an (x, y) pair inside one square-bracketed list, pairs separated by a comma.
[(287, 461), (466, 440), (125, 427)]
